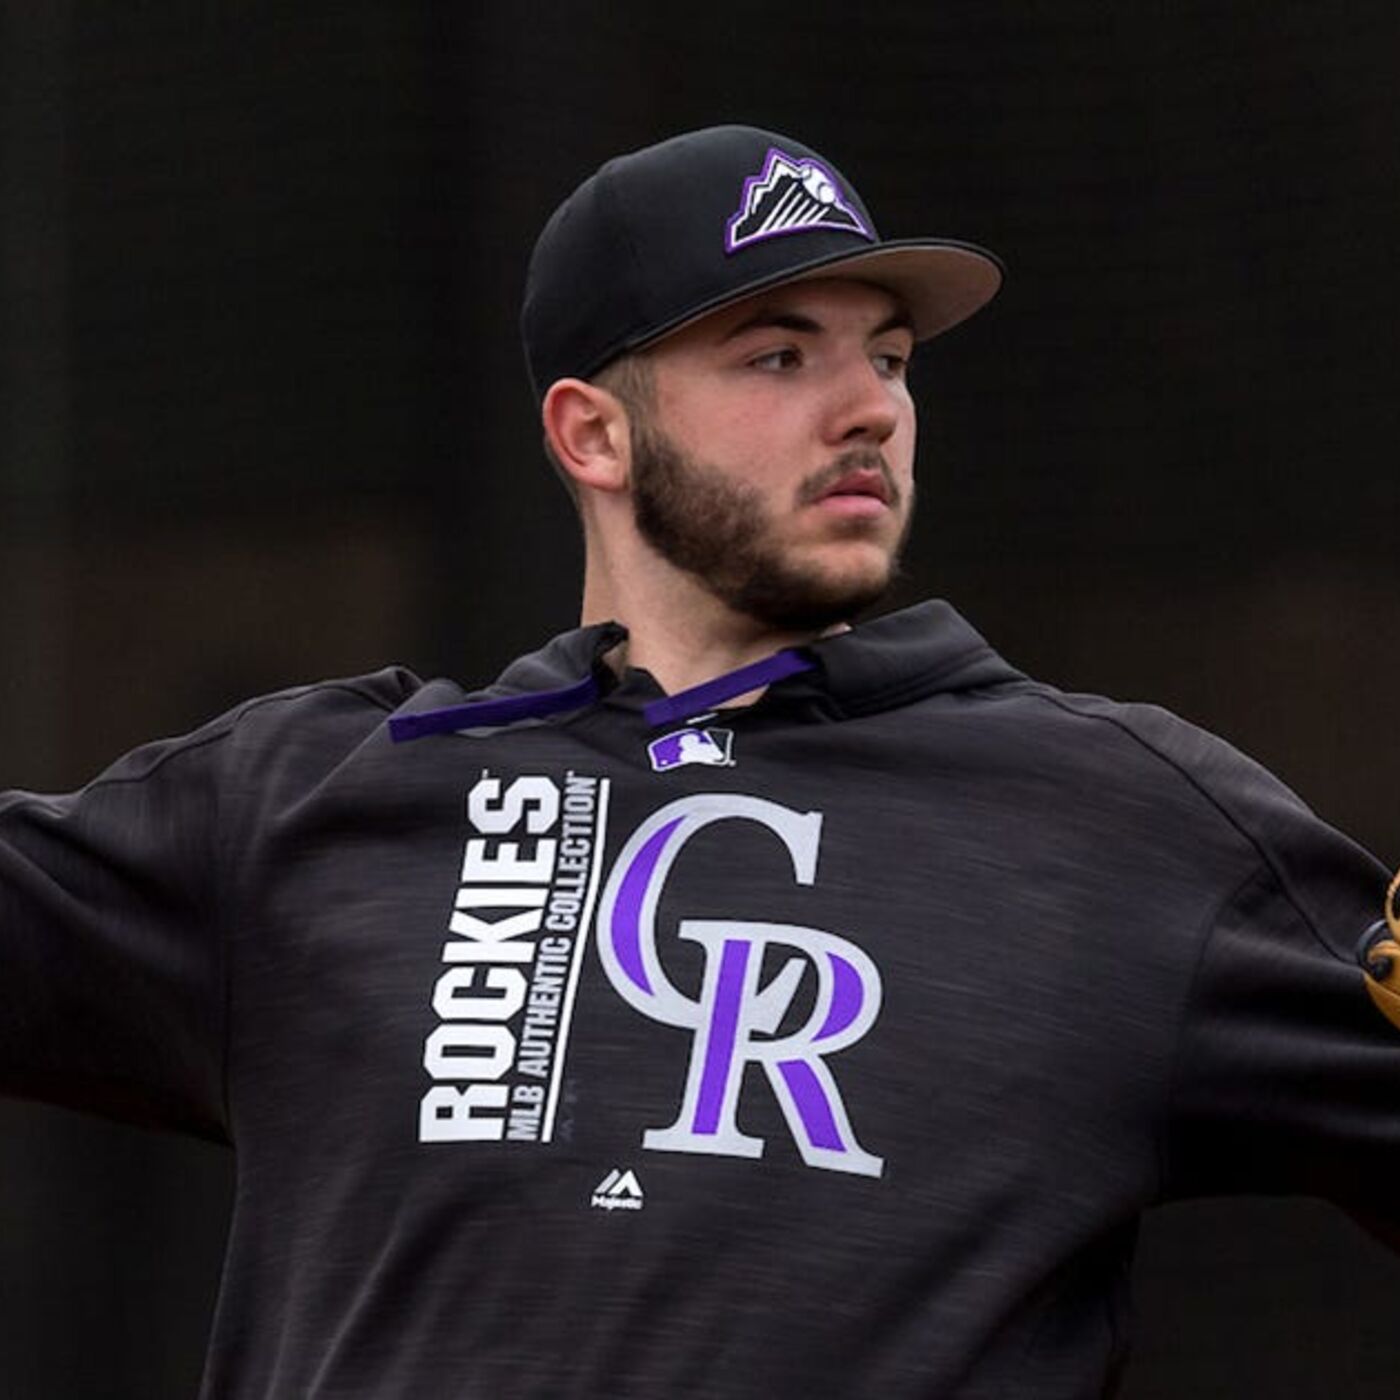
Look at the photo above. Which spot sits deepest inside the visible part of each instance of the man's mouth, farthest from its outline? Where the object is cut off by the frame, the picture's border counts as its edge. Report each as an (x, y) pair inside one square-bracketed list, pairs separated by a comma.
[(863, 482), (856, 486)]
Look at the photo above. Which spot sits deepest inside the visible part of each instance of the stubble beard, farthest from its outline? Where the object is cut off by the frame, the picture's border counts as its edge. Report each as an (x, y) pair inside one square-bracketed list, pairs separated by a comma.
[(721, 532)]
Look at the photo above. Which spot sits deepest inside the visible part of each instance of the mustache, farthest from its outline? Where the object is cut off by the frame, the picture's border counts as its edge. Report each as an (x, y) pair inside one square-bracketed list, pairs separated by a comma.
[(858, 459)]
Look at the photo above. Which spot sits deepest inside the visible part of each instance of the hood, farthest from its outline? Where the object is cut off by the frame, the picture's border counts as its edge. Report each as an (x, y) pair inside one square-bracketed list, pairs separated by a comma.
[(879, 665), (903, 657)]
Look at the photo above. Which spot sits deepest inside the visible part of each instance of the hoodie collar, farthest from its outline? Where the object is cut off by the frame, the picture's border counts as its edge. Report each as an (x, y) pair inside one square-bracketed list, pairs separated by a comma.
[(903, 657), (567, 673), (891, 661)]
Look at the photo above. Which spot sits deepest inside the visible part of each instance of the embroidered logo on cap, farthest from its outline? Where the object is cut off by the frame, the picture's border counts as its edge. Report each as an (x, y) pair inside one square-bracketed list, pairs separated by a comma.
[(790, 195)]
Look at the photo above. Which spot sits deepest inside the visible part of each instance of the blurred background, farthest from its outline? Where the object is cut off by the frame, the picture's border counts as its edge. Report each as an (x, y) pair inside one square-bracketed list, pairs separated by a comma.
[(264, 419)]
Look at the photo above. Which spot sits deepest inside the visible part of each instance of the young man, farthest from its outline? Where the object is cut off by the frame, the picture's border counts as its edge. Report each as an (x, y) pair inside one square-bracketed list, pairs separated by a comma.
[(729, 1001)]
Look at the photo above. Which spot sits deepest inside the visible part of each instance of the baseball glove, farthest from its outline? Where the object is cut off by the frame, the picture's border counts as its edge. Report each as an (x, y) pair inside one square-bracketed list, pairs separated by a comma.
[(1379, 955)]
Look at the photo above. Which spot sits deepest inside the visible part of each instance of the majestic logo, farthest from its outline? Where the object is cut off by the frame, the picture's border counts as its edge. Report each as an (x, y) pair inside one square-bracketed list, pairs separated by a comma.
[(788, 195), (712, 746), (734, 1021), (618, 1191)]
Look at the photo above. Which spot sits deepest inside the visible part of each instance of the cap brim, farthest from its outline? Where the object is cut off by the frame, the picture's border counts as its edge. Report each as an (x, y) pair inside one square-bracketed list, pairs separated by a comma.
[(939, 282)]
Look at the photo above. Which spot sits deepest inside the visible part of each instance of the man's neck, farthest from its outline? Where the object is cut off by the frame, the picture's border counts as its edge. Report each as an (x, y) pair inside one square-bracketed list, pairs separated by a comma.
[(678, 630), (683, 641), (677, 665)]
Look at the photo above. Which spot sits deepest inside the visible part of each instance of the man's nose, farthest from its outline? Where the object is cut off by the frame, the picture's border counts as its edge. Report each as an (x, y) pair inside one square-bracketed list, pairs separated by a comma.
[(864, 404)]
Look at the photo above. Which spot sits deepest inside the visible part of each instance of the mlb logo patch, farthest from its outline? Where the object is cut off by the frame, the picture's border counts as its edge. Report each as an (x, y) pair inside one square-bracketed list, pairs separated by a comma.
[(711, 746)]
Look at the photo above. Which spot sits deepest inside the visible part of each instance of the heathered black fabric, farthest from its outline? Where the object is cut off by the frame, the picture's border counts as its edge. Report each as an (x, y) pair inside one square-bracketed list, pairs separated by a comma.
[(1108, 959)]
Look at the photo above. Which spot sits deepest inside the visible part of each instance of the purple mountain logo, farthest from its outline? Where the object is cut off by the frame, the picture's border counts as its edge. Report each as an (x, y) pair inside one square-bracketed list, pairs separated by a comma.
[(791, 194)]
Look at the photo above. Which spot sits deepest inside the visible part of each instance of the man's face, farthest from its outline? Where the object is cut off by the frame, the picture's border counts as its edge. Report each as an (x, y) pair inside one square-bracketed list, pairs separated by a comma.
[(774, 458)]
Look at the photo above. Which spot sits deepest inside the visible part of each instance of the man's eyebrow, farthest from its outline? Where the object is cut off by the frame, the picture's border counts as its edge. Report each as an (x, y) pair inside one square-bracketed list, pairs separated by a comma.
[(899, 321), (773, 319)]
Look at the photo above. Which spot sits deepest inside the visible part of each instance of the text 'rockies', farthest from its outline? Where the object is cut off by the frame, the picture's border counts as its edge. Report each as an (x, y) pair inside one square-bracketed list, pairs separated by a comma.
[(517, 931)]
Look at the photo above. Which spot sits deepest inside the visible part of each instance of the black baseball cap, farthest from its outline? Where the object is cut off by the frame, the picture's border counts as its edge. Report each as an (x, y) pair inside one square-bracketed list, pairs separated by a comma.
[(658, 237)]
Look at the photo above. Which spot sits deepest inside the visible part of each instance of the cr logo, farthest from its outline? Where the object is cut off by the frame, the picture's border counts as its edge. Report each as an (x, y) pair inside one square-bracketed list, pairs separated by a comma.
[(732, 1009)]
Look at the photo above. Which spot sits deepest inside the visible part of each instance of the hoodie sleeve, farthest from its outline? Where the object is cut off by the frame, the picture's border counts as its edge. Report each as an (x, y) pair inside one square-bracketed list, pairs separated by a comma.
[(111, 966), (1288, 1075)]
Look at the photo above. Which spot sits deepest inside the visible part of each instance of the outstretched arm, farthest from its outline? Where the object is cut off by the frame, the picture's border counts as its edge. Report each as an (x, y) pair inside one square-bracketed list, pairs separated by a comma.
[(111, 968)]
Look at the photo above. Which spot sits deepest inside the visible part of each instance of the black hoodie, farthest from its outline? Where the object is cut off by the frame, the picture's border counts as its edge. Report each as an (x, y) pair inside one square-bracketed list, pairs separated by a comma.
[(827, 1046)]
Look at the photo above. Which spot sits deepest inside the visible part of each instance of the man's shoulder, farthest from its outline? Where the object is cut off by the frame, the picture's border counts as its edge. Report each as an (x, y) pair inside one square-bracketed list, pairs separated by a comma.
[(1130, 756), (326, 717), (318, 718), (1141, 741), (368, 697)]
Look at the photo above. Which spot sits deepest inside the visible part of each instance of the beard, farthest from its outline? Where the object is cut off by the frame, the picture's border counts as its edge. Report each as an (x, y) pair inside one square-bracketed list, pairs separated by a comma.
[(721, 532)]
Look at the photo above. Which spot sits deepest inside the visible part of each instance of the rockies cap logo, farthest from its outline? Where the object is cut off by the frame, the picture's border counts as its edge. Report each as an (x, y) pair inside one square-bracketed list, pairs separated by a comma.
[(789, 195)]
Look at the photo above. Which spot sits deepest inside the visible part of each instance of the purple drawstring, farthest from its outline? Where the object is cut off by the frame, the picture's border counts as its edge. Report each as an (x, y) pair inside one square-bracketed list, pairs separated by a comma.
[(489, 714), (708, 694)]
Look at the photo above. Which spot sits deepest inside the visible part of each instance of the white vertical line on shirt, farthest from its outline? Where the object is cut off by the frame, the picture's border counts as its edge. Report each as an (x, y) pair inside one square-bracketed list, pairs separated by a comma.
[(584, 932)]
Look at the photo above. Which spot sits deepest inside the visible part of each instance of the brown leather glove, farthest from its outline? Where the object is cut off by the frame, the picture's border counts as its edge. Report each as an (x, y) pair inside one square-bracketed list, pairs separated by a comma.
[(1379, 952)]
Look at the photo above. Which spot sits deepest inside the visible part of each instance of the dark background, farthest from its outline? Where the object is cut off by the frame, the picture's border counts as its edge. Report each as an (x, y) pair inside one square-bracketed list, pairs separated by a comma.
[(263, 418)]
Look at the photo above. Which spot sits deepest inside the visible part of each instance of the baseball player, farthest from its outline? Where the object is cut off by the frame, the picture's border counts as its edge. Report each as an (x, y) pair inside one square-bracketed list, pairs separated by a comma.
[(729, 1001)]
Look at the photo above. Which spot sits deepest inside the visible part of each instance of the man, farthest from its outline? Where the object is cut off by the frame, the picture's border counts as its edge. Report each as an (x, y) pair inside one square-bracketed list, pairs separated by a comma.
[(729, 1001)]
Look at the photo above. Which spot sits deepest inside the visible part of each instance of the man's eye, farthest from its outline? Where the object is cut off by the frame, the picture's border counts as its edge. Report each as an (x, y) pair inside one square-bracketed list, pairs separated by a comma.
[(786, 358), (891, 364)]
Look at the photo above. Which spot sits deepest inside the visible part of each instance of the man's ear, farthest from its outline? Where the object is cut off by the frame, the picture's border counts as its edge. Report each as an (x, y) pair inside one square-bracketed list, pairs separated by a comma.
[(587, 430)]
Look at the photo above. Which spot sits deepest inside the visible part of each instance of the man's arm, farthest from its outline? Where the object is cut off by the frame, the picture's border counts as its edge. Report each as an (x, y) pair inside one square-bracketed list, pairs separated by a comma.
[(111, 968)]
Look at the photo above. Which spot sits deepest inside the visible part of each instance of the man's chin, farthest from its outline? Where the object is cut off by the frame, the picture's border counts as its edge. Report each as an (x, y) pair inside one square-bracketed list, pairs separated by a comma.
[(810, 601), (857, 569)]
